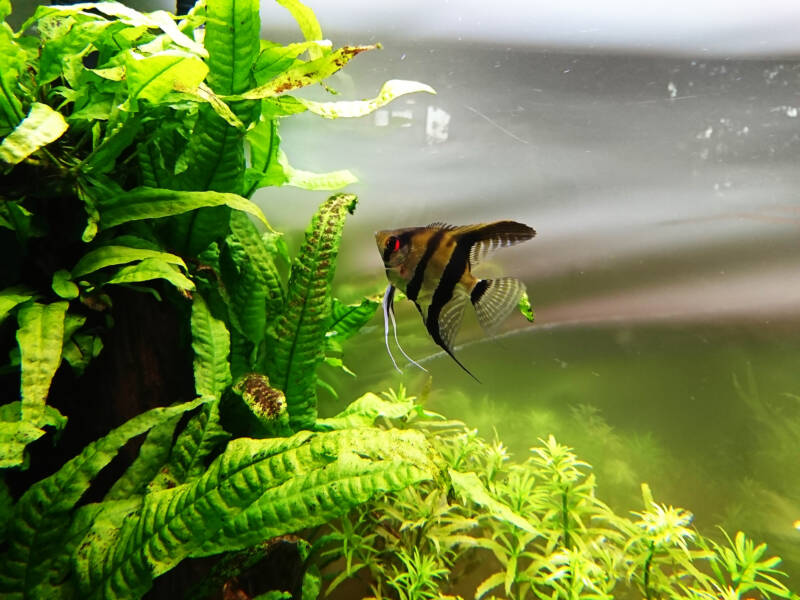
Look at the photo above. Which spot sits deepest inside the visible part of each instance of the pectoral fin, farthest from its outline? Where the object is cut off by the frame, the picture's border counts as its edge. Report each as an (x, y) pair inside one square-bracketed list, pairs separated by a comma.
[(495, 299)]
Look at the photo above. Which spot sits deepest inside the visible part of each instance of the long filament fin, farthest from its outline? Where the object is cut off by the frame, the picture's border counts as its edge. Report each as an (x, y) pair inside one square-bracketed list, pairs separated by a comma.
[(394, 326), (388, 313), (387, 302)]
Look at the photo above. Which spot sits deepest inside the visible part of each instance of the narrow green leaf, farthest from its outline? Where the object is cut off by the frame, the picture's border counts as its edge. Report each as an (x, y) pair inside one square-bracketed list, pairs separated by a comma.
[(307, 180), (307, 22), (470, 487), (348, 319), (215, 154), (211, 345), (117, 140), (153, 77), (233, 31), (152, 268), (201, 436), (153, 454), (80, 350), (13, 58), (12, 297), (265, 167), (42, 126), (358, 108), (297, 340), (42, 515), (275, 58), (262, 260), (206, 94), (40, 336), (365, 410), (247, 290), (489, 583), (303, 74), (108, 256), (152, 203)]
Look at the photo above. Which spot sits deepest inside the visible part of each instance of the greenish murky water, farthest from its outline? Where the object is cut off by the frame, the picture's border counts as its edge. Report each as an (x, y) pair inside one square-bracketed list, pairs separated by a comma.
[(708, 415)]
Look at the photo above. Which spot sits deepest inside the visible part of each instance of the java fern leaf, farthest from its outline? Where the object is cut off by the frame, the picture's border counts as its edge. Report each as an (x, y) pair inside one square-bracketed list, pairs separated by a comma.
[(298, 336), (255, 490), (153, 455), (42, 126), (216, 150), (211, 345), (42, 515), (188, 457), (348, 319), (262, 261), (153, 203), (40, 336)]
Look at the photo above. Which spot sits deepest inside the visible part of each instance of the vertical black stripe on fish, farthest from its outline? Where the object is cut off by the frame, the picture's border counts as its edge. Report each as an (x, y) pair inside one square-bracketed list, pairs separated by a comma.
[(447, 284), (413, 287), (478, 291)]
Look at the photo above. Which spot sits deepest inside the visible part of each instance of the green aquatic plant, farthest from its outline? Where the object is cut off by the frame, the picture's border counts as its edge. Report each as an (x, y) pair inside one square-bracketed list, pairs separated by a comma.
[(534, 528), (131, 144)]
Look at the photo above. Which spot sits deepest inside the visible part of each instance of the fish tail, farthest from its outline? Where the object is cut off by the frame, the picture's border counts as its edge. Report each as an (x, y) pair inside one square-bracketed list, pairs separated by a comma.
[(495, 299)]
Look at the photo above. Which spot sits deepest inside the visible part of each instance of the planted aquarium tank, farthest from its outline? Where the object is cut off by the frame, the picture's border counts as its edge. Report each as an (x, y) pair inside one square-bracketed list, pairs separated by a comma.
[(210, 392)]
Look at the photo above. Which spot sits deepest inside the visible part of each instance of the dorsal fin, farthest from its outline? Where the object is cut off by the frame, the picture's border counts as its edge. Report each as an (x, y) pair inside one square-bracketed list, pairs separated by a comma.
[(490, 236), (441, 225)]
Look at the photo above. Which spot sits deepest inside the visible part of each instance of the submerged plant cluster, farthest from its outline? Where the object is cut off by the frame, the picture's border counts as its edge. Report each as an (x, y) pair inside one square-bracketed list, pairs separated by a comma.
[(530, 529), (131, 145)]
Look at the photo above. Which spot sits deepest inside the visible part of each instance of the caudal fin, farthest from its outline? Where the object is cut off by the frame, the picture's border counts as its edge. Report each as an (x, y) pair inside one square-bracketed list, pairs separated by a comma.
[(495, 299)]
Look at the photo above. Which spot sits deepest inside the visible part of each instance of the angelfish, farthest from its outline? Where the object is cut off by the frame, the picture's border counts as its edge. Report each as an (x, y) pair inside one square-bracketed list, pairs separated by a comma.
[(433, 267)]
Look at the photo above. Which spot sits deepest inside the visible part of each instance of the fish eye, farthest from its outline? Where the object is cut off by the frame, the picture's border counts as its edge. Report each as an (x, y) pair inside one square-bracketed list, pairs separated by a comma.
[(393, 244)]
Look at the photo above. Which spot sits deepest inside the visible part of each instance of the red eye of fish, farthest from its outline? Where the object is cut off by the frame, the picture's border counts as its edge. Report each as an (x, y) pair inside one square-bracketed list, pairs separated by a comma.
[(393, 244)]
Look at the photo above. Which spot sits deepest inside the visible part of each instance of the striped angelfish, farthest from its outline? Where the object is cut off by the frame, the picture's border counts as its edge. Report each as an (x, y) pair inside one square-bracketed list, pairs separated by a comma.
[(433, 266)]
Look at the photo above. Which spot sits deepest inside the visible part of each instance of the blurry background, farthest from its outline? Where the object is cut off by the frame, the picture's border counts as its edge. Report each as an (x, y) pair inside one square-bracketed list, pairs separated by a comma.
[(655, 148)]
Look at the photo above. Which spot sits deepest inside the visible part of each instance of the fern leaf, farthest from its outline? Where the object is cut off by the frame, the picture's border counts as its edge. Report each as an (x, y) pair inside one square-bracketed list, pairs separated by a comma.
[(152, 203), (12, 297), (153, 454), (348, 319), (41, 516), (257, 489), (201, 436), (211, 345), (40, 337), (298, 343), (107, 256), (246, 290), (216, 150), (245, 232)]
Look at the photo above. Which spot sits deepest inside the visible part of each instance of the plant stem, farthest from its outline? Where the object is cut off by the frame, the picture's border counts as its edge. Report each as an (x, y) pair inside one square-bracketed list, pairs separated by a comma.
[(647, 565)]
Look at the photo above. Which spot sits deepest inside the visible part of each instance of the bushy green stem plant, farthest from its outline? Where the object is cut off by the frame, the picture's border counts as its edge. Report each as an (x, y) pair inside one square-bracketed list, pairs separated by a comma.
[(535, 529)]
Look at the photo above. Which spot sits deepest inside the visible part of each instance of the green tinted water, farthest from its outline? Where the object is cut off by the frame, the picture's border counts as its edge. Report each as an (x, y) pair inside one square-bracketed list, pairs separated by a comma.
[(708, 415)]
